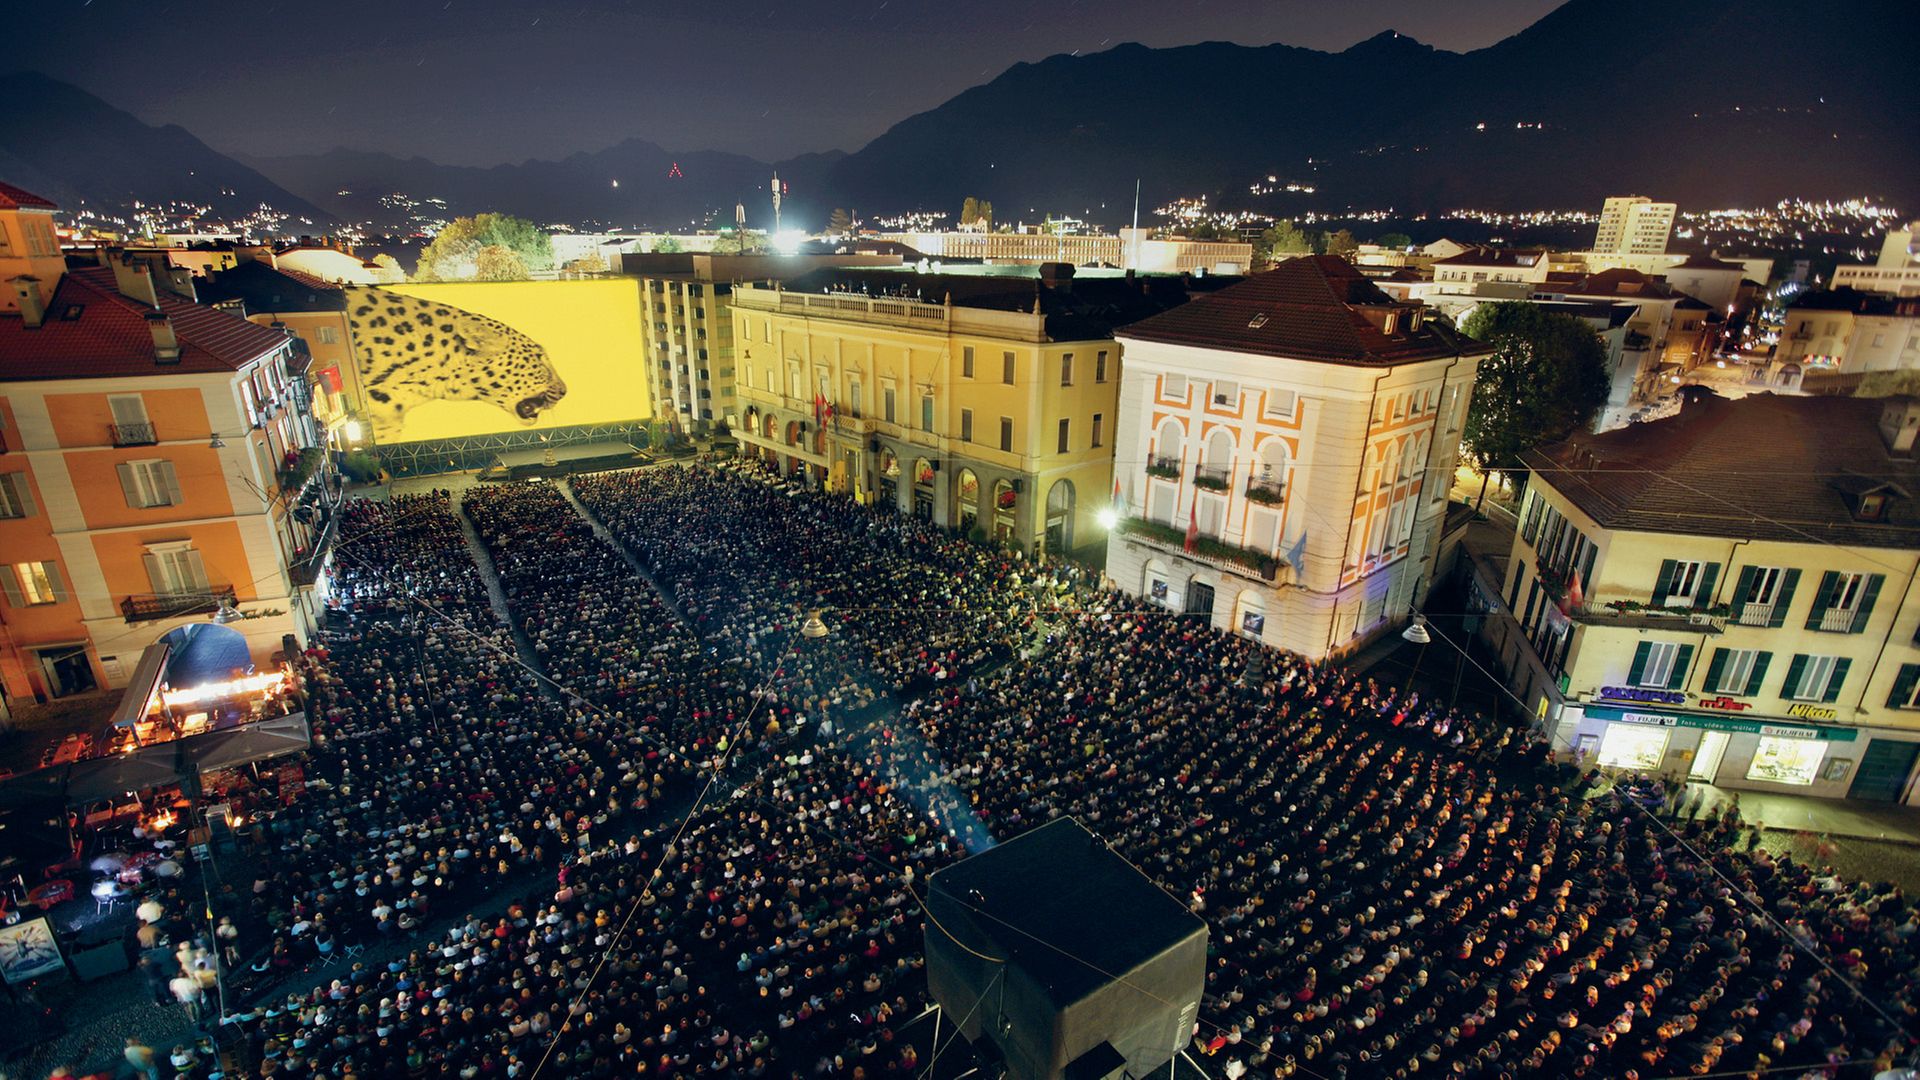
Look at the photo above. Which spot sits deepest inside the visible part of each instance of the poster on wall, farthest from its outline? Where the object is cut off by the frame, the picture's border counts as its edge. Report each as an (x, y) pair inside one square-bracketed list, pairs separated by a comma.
[(444, 361), (28, 950)]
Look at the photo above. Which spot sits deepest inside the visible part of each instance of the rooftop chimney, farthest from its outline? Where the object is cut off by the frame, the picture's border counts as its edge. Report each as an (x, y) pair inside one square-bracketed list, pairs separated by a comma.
[(26, 293), (166, 345), (134, 280), (1899, 422), (1057, 276)]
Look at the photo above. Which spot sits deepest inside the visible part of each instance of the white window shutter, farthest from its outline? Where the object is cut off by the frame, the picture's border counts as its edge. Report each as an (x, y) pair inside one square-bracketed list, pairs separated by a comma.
[(130, 485), (197, 568), (10, 581), (156, 573), (172, 481)]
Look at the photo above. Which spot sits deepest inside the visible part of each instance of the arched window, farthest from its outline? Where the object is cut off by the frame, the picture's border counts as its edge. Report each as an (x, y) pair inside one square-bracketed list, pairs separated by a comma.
[(1171, 442)]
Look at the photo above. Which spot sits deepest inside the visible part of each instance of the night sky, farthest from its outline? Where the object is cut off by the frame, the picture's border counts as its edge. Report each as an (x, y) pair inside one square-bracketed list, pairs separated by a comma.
[(485, 81)]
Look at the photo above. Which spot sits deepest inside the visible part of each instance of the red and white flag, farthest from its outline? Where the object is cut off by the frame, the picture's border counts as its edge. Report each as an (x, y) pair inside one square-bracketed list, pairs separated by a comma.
[(1193, 529)]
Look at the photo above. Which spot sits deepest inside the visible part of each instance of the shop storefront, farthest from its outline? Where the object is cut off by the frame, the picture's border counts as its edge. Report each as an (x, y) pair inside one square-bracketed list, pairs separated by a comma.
[(1699, 740)]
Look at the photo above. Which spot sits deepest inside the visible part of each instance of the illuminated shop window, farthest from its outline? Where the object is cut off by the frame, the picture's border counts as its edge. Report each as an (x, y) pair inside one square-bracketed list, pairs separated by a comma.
[(1633, 746), (1787, 761)]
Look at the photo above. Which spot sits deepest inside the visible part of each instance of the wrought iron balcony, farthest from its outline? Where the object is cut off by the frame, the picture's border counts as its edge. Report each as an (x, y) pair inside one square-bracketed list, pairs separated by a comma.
[(147, 607), (305, 568), (132, 434), (1266, 492), (1210, 476)]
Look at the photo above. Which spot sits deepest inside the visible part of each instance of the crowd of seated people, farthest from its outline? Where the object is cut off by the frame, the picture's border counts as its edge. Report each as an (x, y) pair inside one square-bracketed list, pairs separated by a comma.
[(1393, 888)]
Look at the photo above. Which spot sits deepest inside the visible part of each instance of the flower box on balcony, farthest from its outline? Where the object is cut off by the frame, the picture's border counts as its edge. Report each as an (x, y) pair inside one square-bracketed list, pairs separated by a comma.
[(1211, 483), (1164, 472), (1266, 494)]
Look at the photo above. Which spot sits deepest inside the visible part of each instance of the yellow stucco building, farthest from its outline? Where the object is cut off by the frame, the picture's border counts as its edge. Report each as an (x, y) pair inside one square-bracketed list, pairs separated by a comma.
[(1727, 595), (980, 402)]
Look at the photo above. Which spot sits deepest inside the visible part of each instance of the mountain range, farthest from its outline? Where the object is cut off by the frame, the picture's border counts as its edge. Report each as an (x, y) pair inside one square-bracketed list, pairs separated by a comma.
[(1710, 103)]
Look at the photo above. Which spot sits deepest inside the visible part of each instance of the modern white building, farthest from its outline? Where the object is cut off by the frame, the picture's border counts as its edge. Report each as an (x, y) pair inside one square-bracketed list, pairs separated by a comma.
[(1895, 273), (1283, 452), (1634, 225)]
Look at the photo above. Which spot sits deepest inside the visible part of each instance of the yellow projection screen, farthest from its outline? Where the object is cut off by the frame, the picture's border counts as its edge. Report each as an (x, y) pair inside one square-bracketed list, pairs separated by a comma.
[(445, 361)]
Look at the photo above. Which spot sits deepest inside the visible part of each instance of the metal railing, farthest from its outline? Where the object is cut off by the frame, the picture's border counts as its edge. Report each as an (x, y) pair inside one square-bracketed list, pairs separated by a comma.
[(147, 607), (1266, 491), (132, 434), (1837, 620), (1210, 474), (1755, 614)]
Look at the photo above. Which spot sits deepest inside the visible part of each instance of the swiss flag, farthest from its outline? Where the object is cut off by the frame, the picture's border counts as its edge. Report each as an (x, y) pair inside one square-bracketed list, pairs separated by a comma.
[(1193, 528)]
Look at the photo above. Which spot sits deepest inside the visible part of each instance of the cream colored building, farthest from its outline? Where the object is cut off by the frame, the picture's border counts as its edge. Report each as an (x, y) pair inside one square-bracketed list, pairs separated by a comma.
[(1727, 595), (1133, 249), (981, 403), (1302, 427), (687, 325), (1847, 331), (1634, 225), (1895, 273)]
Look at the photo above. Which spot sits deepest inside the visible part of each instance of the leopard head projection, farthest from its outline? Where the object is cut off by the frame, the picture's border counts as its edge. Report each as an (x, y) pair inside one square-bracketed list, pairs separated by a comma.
[(415, 350)]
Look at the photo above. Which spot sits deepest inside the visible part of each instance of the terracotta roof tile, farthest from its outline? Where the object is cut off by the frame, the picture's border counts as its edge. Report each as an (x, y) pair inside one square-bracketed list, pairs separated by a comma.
[(13, 198), (108, 336), (1310, 308)]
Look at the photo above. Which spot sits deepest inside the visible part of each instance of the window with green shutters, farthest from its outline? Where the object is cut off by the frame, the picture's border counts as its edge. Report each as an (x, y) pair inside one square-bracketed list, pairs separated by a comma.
[(1815, 678), (1906, 688), (1684, 583), (1660, 665), (1844, 602), (1762, 594), (1737, 671)]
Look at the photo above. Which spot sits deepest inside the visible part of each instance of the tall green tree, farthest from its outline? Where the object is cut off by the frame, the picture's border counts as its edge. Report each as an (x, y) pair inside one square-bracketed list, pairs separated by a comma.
[(1340, 242), (1283, 240), (976, 212), (455, 253), (1398, 240), (1546, 379)]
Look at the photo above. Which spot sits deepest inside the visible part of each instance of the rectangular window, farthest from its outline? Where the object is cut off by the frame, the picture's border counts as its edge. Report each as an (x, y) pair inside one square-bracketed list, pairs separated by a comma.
[(1174, 387), (1099, 430), (766, 330), (1227, 394), (853, 397), (1633, 746), (1065, 438), (1906, 688), (1006, 368), (926, 414), (328, 335), (966, 362), (1683, 583), (32, 583), (1066, 369), (149, 483), (1816, 678), (128, 409), (1783, 760), (15, 500), (1736, 671), (886, 407), (1279, 405), (1657, 668), (176, 569), (1006, 433), (966, 425), (1100, 366)]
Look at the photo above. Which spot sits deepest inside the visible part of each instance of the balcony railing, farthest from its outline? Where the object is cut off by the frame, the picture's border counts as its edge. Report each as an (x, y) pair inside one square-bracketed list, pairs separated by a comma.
[(1755, 614), (132, 434), (1837, 620), (1210, 476), (1167, 468), (150, 606), (305, 568), (1266, 492)]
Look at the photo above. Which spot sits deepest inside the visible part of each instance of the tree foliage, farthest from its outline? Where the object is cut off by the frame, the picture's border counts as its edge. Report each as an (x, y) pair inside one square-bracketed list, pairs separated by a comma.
[(460, 250), (976, 213), (1283, 240), (1546, 379), (1397, 240), (666, 245), (1339, 243), (840, 222)]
